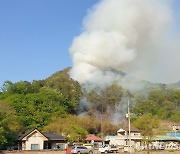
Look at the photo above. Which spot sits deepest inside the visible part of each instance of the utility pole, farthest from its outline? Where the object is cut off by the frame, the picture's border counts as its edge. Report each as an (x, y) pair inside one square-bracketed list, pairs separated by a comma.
[(129, 125), (174, 129), (101, 120)]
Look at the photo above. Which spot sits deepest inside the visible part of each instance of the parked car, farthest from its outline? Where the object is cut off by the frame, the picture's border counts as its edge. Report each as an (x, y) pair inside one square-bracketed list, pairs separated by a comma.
[(81, 150), (108, 149)]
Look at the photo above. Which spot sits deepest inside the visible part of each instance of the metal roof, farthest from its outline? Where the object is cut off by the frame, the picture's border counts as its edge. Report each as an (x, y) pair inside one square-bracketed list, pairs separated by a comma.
[(26, 133), (165, 138), (91, 137), (173, 134), (52, 136), (49, 136)]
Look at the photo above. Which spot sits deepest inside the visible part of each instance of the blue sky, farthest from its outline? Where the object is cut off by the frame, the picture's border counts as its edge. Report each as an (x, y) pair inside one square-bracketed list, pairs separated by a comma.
[(35, 36)]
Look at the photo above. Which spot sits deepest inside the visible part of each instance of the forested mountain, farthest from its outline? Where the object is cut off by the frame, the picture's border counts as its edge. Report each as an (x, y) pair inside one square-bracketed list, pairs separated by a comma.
[(53, 104), (175, 85)]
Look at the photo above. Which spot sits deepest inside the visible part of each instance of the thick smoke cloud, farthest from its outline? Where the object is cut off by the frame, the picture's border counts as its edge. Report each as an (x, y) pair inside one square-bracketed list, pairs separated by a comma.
[(123, 35)]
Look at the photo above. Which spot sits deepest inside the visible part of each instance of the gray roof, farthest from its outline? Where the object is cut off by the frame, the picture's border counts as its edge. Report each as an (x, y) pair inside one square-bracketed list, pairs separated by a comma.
[(52, 136), (133, 129), (25, 134), (49, 136)]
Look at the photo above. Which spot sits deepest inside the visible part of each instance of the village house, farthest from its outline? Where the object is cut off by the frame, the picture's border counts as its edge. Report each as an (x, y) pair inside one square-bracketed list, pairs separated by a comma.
[(171, 141), (93, 140), (37, 140), (122, 139), (165, 142)]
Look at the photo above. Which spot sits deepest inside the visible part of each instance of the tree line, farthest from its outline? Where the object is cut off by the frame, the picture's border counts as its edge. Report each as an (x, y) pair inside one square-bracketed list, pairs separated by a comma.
[(53, 105)]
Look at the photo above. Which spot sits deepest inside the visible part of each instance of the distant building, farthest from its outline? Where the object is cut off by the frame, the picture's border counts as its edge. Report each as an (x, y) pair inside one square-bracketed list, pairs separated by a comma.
[(37, 140), (176, 127), (95, 141), (166, 142), (122, 138), (171, 141)]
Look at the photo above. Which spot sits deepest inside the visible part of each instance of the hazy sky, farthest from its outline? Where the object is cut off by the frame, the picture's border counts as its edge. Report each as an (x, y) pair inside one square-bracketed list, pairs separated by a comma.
[(35, 36)]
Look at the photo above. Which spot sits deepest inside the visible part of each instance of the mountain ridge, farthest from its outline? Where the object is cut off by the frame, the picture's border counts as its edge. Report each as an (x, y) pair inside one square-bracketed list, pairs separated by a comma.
[(130, 79)]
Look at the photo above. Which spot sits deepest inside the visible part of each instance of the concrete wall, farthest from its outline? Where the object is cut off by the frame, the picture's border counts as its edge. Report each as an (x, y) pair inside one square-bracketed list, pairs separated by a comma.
[(34, 152), (41, 152)]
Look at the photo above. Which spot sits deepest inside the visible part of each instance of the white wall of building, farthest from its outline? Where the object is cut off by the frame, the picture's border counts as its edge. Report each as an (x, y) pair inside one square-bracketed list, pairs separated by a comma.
[(35, 138)]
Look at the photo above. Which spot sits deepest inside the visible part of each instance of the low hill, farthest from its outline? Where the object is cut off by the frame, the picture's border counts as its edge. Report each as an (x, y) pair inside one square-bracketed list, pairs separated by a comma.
[(65, 85)]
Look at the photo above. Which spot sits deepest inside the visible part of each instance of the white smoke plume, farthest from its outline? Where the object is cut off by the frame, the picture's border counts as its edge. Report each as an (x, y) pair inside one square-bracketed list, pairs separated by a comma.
[(121, 35)]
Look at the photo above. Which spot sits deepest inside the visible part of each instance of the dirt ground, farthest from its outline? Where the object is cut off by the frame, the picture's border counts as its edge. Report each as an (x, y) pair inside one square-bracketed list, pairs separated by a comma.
[(95, 152), (159, 152)]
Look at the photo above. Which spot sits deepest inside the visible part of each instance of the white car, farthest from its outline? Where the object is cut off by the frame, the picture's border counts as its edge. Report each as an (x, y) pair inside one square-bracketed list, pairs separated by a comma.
[(81, 150), (108, 149)]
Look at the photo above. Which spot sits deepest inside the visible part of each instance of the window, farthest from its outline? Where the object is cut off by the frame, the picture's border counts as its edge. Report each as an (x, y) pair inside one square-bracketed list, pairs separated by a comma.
[(34, 146), (59, 146), (81, 148)]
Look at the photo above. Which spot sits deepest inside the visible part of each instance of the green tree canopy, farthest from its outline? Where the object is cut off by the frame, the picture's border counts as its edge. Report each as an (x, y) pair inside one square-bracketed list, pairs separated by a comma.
[(147, 123), (10, 125)]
